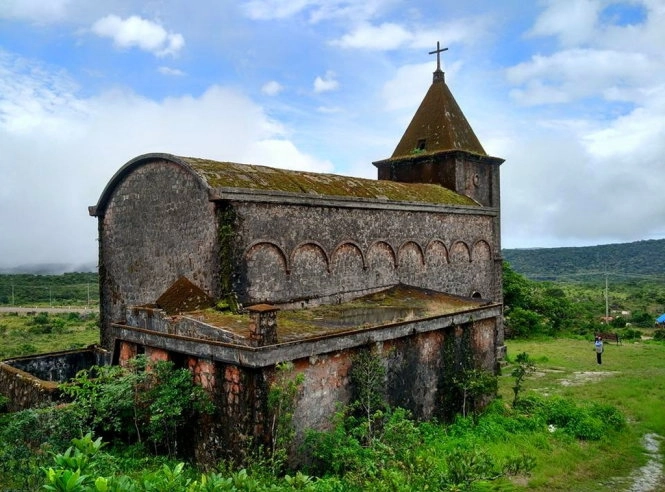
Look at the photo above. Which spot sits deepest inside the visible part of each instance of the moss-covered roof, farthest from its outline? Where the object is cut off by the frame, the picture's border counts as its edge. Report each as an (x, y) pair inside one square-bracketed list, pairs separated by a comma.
[(252, 177), (393, 305), (438, 125)]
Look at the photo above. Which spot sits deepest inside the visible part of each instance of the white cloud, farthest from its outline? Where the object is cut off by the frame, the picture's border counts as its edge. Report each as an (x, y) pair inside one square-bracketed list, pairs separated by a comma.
[(578, 73), (573, 22), (274, 9), (171, 71), (387, 36), (135, 31), (391, 36), (326, 83), (314, 10), (329, 109), (638, 135), (272, 88), (38, 11), (59, 150)]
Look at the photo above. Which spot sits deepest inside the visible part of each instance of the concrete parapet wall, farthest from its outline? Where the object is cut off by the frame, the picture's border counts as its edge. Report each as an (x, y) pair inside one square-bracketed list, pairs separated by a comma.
[(157, 320)]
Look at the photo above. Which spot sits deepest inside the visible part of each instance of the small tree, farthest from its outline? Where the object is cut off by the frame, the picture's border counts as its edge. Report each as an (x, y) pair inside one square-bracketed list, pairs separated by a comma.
[(474, 384), (368, 378), (524, 367), (282, 403)]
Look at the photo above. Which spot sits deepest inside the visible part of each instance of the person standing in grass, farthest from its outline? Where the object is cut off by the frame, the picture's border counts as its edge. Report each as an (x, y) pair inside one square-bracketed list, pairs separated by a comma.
[(599, 350)]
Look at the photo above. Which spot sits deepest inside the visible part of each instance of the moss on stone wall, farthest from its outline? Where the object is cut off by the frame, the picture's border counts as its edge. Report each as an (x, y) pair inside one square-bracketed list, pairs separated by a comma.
[(457, 358), (227, 230)]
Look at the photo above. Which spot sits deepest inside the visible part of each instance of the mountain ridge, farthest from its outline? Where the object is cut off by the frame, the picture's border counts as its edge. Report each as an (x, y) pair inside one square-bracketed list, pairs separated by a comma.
[(639, 259)]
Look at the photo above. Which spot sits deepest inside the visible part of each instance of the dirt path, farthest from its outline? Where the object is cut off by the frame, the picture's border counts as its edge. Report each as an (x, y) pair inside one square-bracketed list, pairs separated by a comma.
[(649, 477)]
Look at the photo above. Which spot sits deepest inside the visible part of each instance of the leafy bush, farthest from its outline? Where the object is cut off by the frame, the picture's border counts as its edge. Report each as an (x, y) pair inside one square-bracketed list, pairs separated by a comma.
[(281, 404), (582, 421), (659, 334), (476, 386), (524, 367), (630, 334), (145, 401), (26, 439)]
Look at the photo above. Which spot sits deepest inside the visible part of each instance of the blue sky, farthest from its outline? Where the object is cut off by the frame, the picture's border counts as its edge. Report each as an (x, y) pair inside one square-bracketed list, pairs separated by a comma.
[(570, 92)]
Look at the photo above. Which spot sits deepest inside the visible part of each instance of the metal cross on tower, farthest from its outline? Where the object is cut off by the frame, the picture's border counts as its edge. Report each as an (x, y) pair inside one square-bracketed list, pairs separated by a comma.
[(438, 52)]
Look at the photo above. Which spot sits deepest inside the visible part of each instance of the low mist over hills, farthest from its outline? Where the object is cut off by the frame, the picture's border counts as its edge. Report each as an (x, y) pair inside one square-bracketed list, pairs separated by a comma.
[(49, 268), (641, 259)]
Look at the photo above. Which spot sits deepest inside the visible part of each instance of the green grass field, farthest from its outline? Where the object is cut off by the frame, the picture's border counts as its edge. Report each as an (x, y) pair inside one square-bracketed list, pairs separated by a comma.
[(631, 378), (41, 332)]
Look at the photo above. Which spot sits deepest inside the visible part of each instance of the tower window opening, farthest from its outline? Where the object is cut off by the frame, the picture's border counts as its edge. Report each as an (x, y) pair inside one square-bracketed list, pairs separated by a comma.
[(421, 144)]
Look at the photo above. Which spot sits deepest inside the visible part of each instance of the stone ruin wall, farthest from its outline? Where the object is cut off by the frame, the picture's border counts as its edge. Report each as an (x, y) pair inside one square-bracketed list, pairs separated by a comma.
[(158, 226), (418, 368), (291, 252), (33, 381), (25, 390)]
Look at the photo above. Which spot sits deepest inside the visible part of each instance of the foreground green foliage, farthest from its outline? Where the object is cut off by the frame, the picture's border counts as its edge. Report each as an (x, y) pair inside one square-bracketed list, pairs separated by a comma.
[(572, 439), (402, 455), (281, 404), (147, 401)]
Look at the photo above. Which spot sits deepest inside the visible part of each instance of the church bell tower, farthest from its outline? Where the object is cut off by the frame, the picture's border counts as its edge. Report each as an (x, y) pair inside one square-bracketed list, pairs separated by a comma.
[(439, 146)]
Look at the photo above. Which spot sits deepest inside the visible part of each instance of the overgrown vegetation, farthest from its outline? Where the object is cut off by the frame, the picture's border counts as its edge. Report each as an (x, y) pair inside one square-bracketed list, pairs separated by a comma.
[(281, 404), (573, 439), (577, 308), (144, 401), (40, 332)]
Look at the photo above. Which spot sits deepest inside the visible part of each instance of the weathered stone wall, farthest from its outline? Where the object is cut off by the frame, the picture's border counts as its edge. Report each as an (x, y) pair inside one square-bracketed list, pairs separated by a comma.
[(418, 370), (24, 390), (469, 174), (420, 358), (60, 366), (33, 381), (291, 252), (157, 320), (158, 226)]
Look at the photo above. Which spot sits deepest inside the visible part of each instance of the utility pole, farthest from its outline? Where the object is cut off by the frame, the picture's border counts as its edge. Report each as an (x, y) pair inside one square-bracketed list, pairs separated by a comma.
[(12, 292), (607, 302)]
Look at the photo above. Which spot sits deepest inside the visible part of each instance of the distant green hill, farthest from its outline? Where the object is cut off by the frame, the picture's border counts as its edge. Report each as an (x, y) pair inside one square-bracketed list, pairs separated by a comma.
[(638, 260)]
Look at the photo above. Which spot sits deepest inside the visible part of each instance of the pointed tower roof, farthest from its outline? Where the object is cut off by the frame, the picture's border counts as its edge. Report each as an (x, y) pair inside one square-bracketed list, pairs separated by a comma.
[(439, 124)]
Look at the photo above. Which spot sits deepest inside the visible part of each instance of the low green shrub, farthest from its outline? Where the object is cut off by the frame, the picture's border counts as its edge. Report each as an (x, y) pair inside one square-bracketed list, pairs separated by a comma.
[(145, 401), (659, 334), (630, 334)]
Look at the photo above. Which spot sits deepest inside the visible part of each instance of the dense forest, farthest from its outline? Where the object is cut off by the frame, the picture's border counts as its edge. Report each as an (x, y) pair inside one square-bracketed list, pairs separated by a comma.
[(637, 260)]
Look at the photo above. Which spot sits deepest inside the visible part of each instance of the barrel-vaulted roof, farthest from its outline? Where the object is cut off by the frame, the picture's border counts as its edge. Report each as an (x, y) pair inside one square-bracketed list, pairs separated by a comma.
[(438, 125), (222, 176)]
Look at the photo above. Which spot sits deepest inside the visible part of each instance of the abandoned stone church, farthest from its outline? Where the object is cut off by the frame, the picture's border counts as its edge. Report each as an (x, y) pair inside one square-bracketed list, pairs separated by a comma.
[(230, 269)]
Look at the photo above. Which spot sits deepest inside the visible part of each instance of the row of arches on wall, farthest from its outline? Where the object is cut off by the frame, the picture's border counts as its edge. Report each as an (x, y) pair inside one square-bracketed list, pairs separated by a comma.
[(434, 253)]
